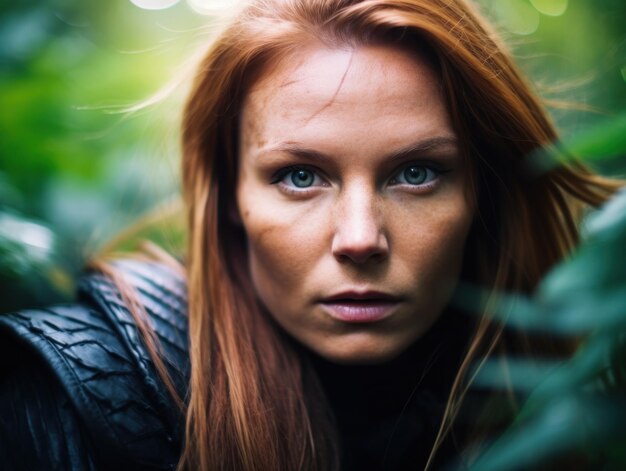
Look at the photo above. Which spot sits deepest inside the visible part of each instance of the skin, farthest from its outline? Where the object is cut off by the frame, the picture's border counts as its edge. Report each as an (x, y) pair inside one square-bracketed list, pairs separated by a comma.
[(349, 122)]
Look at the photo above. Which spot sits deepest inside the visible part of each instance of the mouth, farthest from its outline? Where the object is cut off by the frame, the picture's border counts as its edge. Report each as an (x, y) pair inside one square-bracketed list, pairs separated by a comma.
[(360, 307)]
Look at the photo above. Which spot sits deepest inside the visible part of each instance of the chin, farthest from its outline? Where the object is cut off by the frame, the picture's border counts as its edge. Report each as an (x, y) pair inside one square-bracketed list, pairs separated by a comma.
[(361, 351)]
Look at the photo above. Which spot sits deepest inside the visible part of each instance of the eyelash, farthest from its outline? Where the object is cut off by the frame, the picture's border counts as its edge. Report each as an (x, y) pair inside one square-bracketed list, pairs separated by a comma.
[(280, 176), (432, 175)]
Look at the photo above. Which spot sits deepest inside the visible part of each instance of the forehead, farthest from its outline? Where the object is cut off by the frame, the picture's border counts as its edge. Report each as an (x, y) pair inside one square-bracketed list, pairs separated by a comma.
[(327, 67), (361, 92)]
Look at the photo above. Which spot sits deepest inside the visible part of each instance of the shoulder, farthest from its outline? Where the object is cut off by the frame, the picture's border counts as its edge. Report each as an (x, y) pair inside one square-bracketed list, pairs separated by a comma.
[(162, 294), (94, 351)]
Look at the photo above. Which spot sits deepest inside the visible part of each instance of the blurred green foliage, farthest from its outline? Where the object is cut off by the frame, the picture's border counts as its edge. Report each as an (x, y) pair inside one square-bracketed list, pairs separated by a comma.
[(574, 50), (76, 170), (576, 405), (73, 163)]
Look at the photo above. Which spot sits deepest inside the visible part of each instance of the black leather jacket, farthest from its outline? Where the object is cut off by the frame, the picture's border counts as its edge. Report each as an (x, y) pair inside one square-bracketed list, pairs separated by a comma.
[(78, 389)]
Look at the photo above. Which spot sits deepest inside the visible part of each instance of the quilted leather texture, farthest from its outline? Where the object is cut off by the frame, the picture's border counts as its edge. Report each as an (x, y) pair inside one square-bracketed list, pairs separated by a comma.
[(95, 351), (39, 427)]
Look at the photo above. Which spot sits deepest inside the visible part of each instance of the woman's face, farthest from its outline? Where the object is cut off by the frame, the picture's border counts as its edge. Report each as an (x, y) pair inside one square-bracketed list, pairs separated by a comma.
[(351, 193)]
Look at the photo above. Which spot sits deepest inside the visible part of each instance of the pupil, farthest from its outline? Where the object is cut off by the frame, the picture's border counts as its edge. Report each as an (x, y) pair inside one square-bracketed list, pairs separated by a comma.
[(302, 178), (415, 175)]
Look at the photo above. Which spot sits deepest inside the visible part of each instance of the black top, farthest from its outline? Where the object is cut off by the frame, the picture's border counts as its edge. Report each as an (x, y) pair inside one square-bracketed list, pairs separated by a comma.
[(388, 414), (79, 391)]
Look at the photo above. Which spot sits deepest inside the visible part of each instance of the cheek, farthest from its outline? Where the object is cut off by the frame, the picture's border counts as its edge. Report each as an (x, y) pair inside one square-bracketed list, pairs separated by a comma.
[(282, 253), (431, 245)]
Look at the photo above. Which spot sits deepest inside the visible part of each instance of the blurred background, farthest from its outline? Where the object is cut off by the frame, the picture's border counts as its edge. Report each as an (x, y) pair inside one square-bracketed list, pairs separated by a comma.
[(77, 167), (85, 166)]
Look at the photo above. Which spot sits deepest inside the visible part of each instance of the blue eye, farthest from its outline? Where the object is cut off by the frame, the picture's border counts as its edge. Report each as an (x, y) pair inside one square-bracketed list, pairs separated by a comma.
[(415, 175), (298, 178), (302, 178)]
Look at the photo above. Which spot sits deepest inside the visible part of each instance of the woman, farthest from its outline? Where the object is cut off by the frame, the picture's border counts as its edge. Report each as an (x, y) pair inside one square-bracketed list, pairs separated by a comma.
[(345, 164)]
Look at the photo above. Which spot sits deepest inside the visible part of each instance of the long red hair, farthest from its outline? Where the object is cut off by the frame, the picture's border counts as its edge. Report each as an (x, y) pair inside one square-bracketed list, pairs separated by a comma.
[(253, 403)]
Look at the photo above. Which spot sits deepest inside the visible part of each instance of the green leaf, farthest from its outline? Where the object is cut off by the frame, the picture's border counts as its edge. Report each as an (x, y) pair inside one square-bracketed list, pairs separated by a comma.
[(605, 141), (33, 271)]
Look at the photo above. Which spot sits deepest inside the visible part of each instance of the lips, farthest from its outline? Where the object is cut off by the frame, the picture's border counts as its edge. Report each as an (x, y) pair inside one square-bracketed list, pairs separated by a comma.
[(360, 307)]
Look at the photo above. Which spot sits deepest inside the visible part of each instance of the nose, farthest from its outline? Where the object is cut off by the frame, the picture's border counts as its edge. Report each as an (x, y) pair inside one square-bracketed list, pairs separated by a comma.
[(359, 228)]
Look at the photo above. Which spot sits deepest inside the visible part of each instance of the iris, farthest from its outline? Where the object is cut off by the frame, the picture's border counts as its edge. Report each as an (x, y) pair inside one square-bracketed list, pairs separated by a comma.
[(302, 178), (415, 175)]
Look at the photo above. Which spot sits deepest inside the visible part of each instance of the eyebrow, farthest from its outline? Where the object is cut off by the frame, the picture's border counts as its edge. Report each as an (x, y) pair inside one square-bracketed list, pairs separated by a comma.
[(432, 143)]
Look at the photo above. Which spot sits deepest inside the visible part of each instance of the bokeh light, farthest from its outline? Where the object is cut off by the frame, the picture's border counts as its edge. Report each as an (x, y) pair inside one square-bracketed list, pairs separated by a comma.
[(154, 4), (517, 16), (209, 7), (550, 7)]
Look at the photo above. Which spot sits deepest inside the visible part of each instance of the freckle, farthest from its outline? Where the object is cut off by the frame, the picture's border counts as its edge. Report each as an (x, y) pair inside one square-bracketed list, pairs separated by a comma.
[(253, 135), (266, 232)]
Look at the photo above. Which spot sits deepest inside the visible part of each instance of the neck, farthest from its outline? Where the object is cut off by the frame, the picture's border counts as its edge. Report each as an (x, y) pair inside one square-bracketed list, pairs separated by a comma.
[(387, 414), (430, 363)]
